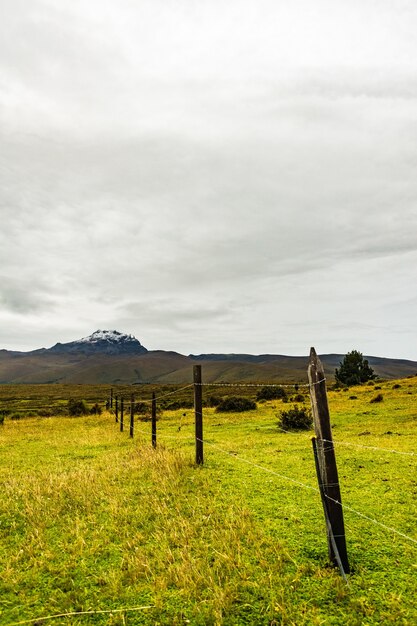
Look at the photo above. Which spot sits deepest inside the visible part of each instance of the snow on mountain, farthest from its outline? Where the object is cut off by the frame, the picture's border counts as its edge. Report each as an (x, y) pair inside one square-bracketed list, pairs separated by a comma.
[(102, 341), (113, 336)]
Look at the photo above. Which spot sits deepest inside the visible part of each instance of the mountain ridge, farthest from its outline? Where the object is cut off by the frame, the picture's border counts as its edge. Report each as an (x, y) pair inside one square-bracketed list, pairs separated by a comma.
[(112, 357)]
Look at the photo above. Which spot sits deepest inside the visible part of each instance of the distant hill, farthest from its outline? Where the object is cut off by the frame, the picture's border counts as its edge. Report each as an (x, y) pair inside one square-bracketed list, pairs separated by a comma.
[(112, 357)]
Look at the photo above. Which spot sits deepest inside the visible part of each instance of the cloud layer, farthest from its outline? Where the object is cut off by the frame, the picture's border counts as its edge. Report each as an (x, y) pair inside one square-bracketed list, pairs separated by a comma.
[(209, 177)]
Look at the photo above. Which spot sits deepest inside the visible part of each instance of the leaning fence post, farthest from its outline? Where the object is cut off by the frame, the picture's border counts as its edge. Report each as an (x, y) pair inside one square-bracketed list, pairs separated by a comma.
[(117, 408), (326, 464), (132, 415), (121, 413), (153, 420), (198, 410)]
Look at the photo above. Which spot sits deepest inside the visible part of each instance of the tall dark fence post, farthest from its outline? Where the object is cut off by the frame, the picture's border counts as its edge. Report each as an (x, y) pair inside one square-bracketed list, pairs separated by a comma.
[(111, 398), (153, 420), (132, 415), (121, 413), (198, 410), (117, 408), (326, 465)]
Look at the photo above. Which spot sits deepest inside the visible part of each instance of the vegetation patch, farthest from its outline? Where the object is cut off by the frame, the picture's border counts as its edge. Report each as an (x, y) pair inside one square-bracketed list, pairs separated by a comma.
[(92, 519), (378, 398), (271, 393), (295, 418), (235, 404), (77, 407)]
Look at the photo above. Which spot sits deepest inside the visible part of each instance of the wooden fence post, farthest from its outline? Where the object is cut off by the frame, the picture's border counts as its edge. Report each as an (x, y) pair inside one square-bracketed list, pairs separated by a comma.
[(326, 465), (121, 413), (132, 415), (117, 408), (111, 398), (198, 411), (153, 420)]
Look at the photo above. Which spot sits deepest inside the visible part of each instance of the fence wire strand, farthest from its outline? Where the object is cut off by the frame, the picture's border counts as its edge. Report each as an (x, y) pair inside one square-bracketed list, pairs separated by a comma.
[(359, 445)]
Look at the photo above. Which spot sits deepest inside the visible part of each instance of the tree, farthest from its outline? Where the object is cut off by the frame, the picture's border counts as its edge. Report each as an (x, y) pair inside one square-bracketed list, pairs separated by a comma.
[(354, 370)]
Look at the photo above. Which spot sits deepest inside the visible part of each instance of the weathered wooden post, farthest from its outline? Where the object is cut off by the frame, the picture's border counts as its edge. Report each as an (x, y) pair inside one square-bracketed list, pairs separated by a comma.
[(117, 408), (132, 415), (326, 465), (198, 411), (111, 398), (153, 420), (121, 413)]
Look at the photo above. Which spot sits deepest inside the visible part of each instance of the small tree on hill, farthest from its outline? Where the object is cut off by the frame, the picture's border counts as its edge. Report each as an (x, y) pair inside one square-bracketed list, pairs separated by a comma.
[(354, 370)]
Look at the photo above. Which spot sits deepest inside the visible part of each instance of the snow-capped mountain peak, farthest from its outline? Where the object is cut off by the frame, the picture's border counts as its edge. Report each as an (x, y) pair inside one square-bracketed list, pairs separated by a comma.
[(112, 336), (103, 341)]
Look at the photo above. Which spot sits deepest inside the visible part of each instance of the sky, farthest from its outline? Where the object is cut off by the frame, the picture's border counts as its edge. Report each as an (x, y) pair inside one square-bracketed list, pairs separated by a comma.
[(214, 176)]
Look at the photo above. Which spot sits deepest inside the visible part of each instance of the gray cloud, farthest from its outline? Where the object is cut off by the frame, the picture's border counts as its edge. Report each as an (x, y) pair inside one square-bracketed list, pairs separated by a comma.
[(250, 178)]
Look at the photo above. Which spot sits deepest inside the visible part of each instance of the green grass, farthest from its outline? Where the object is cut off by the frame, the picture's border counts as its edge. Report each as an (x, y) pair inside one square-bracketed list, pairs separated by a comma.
[(92, 520)]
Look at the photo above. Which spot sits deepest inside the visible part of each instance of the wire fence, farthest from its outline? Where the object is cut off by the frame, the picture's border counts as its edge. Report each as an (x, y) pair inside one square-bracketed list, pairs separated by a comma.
[(297, 483), (215, 446)]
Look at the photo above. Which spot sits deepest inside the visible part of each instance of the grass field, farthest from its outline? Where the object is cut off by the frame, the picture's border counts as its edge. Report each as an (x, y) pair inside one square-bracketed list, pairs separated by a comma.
[(92, 520)]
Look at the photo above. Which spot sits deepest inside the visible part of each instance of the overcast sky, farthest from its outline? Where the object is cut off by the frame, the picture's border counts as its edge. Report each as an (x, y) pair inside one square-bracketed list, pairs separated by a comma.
[(210, 176)]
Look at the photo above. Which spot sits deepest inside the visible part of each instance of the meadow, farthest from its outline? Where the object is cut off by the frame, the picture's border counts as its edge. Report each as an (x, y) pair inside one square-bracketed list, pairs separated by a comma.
[(103, 529)]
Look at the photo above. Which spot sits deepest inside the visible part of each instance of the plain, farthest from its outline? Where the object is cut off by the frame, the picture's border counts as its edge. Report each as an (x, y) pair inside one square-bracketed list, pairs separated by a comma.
[(96, 523)]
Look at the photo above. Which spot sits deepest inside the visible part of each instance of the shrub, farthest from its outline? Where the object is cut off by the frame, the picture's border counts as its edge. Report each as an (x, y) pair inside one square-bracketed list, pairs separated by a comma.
[(298, 398), (16, 416), (144, 410), (212, 401), (271, 393), (353, 397), (235, 404), (46, 413), (378, 398), (295, 418), (77, 407), (174, 405), (96, 409), (377, 387), (1, 420), (396, 386), (141, 408)]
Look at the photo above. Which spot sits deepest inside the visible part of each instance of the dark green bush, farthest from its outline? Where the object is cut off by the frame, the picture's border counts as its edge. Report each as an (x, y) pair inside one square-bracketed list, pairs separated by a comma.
[(396, 386), (144, 410), (212, 401), (16, 416), (295, 418), (271, 393), (77, 407), (96, 409), (141, 408), (174, 405), (46, 412), (298, 398), (378, 398), (235, 404), (1, 420)]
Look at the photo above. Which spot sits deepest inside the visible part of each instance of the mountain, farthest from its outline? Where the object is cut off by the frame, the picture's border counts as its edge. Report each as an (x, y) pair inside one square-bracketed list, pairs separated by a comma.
[(112, 357), (101, 342)]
